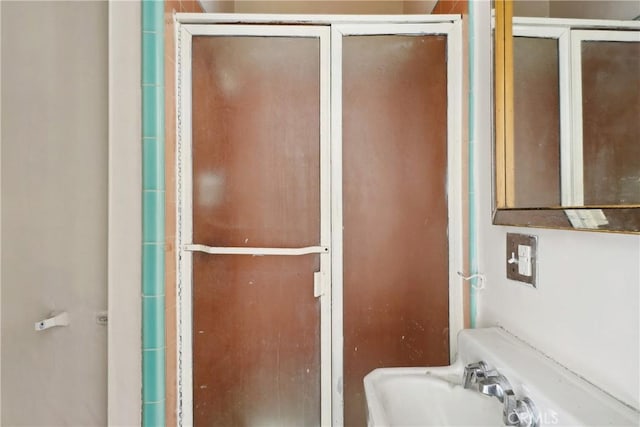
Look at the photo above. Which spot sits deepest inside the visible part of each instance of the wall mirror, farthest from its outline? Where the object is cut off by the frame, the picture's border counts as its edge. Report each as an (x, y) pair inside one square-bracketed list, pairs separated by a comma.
[(567, 114)]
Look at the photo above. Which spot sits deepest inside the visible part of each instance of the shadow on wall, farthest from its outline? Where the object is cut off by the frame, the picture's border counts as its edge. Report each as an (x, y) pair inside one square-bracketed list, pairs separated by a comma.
[(388, 7)]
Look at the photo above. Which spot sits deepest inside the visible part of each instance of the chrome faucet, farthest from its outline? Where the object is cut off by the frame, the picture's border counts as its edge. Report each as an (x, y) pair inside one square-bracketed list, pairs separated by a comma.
[(475, 372), (498, 386), (521, 413)]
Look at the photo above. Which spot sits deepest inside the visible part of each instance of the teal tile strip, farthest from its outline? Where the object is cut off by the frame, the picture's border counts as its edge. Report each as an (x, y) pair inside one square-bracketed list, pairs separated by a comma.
[(153, 198), (473, 231)]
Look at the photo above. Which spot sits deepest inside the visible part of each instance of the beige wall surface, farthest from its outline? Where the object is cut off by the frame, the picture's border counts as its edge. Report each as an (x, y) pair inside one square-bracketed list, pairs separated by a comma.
[(337, 7), (54, 211), (388, 7)]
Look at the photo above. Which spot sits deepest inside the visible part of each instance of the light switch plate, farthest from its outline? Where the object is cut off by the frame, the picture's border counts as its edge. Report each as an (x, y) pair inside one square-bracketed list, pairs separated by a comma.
[(513, 255)]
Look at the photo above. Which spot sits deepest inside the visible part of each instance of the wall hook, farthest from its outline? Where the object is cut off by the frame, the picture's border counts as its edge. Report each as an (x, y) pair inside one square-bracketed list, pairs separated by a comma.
[(479, 276), (61, 319)]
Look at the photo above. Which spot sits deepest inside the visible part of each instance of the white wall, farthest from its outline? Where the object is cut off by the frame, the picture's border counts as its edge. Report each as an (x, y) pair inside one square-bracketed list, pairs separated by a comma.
[(585, 311), (54, 211)]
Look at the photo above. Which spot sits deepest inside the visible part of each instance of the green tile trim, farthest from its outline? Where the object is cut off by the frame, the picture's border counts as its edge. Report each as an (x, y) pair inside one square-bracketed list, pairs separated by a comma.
[(152, 111), (152, 329), (153, 215), (153, 15), (153, 269), (152, 59), (153, 414), (472, 208), (153, 160), (153, 375)]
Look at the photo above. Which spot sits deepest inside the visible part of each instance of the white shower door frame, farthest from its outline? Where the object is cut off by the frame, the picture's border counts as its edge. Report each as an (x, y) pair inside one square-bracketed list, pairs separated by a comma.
[(454, 186), (329, 30), (186, 245)]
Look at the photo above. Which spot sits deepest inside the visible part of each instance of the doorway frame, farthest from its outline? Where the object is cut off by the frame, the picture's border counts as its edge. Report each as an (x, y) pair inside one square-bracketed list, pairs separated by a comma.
[(187, 24), (124, 268)]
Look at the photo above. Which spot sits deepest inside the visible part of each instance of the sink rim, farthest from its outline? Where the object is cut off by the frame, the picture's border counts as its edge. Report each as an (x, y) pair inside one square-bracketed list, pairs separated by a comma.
[(376, 381), (562, 396)]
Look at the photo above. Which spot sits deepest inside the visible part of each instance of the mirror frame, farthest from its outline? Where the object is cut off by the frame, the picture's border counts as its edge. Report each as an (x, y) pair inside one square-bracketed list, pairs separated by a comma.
[(619, 219)]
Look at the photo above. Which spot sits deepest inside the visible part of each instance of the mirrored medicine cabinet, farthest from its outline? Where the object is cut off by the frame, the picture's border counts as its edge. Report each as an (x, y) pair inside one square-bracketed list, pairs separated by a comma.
[(567, 114)]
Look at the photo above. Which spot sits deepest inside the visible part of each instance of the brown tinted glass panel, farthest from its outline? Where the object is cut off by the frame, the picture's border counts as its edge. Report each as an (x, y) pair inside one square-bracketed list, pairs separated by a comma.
[(536, 122), (611, 122), (256, 341), (256, 141), (395, 208)]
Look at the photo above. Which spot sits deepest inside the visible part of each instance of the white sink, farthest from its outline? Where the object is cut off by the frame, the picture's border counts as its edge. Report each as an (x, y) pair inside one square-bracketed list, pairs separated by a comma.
[(427, 397), (435, 397)]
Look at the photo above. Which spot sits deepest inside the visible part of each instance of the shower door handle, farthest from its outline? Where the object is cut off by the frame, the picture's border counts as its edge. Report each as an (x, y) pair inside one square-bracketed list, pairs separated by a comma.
[(229, 250), (318, 289), (319, 277)]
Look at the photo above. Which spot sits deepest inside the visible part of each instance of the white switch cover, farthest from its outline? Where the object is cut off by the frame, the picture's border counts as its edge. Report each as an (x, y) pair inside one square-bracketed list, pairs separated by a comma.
[(524, 260)]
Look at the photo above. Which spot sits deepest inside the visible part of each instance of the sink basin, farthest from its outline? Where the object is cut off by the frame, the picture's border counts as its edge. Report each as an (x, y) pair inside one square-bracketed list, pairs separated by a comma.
[(421, 397), (434, 396)]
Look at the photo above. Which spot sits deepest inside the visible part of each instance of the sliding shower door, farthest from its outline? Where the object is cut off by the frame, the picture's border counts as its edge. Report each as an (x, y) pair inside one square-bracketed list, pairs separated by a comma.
[(318, 214), (391, 84), (258, 225)]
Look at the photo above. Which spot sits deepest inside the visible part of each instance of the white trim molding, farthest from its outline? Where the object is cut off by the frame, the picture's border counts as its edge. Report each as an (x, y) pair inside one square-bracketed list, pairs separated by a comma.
[(124, 398)]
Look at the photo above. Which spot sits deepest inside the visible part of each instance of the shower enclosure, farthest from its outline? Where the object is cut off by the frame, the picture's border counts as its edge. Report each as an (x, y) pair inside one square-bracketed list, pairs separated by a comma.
[(318, 211)]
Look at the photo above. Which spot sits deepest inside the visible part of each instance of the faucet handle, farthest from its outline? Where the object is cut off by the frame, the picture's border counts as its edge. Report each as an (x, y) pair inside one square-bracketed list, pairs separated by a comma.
[(476, 372), (525, 414), (496, 385), (520, 413)]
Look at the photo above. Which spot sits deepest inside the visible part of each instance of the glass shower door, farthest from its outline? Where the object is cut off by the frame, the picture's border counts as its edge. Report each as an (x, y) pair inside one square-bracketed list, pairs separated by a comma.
[(258, 237), (393, 279)]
